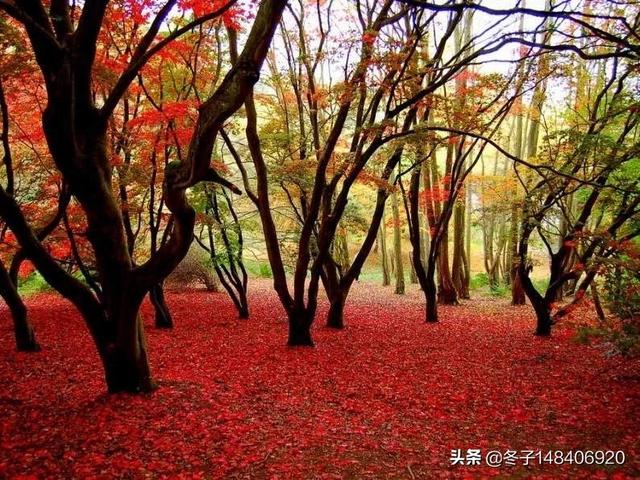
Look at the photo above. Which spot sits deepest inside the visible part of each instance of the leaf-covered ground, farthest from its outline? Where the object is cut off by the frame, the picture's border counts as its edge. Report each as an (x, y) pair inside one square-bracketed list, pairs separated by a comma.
[(389, 397)]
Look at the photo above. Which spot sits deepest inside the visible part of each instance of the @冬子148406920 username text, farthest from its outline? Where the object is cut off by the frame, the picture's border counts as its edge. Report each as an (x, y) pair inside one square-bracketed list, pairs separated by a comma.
[(507, 458)]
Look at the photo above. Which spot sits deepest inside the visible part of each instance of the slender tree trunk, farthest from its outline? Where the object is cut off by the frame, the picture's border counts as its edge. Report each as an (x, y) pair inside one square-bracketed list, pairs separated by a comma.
[(413, 278), (596, 302), (467, 250), (430, 294), (382, 236), (162, 312), (519, 147), (341, 249), (397, 245), (447, 294), (335, 293), (24, 335), (458, 267), (517, 292), (243, 310)]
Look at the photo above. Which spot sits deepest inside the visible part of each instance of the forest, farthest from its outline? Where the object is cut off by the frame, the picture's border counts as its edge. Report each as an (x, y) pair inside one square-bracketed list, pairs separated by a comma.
[(319, 239)]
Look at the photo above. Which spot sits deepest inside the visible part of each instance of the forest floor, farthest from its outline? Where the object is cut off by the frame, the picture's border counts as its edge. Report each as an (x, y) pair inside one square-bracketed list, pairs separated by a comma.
[(388, 397)]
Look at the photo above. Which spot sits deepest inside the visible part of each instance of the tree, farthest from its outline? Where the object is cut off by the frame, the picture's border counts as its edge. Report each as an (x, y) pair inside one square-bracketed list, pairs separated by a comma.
[(397, 245), (44, 196), (324, 203), (75, 124), (227, 261), (594, 155)]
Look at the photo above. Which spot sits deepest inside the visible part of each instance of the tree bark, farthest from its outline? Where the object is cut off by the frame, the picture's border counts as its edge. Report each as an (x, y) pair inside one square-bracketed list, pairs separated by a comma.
[(300, 328), (382, 235), (125, 361), (447, 294), (517, 292), (458, 267), (431, 298), (23, 331), (397, 245), (335, 317), (162, 313), (596, 302)]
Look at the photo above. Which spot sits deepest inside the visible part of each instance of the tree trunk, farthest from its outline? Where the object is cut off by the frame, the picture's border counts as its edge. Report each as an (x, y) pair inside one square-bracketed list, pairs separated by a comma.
[(518, 296), (458, 267), (25, 337), (335, 293), (341, 250), (517, 292), (125, 361), (541, 305), (579, 296), (382, 235), (162, 313), (335, 317), (543, 318), (397, 245), (431, 299), (596, 302), (300, 329), (561, 262), (467, 249), (413, 278), (447, 294), (243, 310)]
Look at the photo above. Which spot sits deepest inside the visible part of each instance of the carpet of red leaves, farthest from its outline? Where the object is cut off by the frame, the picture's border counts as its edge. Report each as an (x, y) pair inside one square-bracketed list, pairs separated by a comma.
[(388, 397)]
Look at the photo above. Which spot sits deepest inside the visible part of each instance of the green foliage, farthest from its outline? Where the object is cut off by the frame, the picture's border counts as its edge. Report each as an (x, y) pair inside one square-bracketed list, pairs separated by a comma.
[(501, 290), (622, 297), (33, 284), (622, 337), (541, 284), (585, 334), (480, 282), (258, 268), (622, 287)]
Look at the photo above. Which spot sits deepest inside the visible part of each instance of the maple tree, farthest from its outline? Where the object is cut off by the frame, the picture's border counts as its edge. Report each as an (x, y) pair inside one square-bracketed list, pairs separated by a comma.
[(64, 43), (431, 179), (24, 138), (590, 152)]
